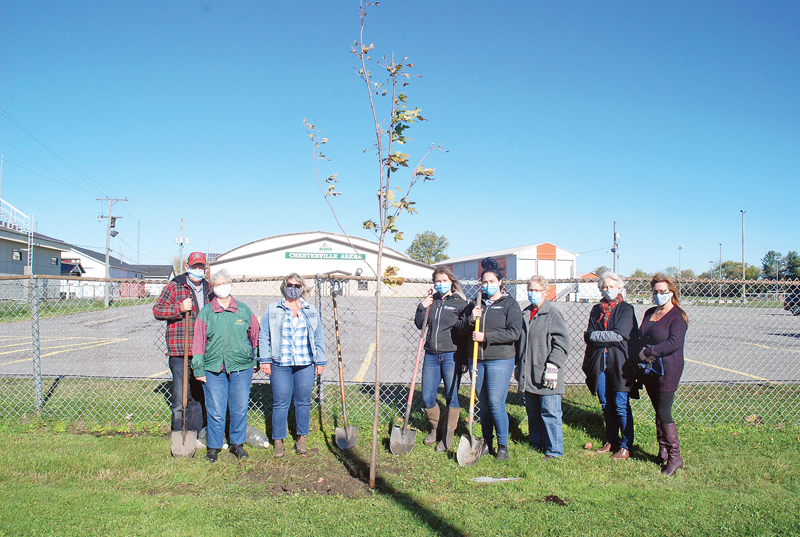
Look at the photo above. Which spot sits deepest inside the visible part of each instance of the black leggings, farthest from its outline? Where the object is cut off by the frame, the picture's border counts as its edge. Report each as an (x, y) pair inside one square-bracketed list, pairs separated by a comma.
[(662, 403)]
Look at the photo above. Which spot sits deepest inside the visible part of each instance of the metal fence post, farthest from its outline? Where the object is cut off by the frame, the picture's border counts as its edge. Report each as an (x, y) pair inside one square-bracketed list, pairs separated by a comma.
[(37, 366)]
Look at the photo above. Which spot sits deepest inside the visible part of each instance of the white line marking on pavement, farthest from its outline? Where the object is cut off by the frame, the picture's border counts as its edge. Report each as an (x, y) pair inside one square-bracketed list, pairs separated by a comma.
[(726, 369), (362, 371)]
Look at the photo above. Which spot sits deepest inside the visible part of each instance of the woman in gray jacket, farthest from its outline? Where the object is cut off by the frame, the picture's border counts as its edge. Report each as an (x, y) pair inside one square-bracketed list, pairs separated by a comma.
[(543, 350)]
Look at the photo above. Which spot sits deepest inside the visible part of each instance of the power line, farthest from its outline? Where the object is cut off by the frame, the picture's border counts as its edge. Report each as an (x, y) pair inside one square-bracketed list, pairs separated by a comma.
[(49, 178), (67, 164)]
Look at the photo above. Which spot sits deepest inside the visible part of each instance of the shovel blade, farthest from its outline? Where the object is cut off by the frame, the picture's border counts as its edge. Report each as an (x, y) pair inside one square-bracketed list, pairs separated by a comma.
[(347, 437), (469, 450), (402, 440), (184, 443)]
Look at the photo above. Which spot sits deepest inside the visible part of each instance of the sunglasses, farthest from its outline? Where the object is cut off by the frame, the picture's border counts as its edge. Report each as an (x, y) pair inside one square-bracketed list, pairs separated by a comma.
[(295, 285)]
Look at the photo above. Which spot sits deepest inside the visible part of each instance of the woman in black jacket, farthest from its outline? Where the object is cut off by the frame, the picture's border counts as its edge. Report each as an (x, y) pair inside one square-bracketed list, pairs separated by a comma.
[(610, 369), (444, 355), (500, 328)]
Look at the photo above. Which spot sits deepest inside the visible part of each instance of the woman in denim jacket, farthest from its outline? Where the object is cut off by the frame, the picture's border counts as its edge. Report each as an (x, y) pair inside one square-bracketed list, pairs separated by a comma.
[(292, 346)]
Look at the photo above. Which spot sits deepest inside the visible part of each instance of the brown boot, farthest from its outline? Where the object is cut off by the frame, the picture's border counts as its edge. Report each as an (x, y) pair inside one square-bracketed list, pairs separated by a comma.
[(605, 449), (279, 451), (674, 460), (300, 446), (662, 442), (452, 422), (433, 419)]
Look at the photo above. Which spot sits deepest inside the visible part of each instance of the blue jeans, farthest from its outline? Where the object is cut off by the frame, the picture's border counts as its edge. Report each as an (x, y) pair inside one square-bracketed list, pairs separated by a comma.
[(437, 368), (227, 391), (618, 415), (544, 423), (195, 401), (291, 382), (494, 378)]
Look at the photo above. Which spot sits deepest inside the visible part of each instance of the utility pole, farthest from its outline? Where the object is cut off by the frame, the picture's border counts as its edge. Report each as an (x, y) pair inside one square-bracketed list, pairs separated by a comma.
[(139, 243), (614, 249), (112, 221), (744, 267), (1, 173), (720, 272), (181, 240)]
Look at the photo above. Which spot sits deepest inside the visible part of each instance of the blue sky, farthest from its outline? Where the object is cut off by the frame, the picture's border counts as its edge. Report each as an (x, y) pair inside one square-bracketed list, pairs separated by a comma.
[(559, 118)]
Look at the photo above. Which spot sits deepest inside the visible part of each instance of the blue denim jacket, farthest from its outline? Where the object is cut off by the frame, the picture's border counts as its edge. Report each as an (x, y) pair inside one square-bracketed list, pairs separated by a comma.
[(269, 339)]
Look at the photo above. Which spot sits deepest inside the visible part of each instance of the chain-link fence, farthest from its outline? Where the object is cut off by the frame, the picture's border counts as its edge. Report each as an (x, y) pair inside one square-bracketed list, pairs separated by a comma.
[(64, 356)]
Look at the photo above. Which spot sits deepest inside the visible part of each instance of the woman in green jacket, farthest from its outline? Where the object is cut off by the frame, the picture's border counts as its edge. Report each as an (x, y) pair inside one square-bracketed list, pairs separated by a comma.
[(224, 349)]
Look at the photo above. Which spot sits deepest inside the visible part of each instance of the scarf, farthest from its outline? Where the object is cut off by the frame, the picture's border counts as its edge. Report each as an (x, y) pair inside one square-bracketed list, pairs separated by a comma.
[(608, 307)]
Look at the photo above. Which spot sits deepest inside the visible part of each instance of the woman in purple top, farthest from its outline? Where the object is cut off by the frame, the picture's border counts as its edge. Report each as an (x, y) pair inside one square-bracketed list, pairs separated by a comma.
[(662, 335)]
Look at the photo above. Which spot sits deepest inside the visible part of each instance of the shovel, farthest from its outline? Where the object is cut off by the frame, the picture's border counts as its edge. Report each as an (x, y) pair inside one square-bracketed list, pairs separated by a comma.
[(347, 436), (469, 449), (402, 440), (184, 442)]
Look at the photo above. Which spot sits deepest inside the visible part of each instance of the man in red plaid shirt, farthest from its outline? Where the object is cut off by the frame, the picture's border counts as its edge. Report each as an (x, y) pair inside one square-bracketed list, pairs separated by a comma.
[(186, 292)]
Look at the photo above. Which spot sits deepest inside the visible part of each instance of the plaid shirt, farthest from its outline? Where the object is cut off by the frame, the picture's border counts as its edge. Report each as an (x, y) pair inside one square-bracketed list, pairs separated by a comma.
[(294, 340), (168, 308)]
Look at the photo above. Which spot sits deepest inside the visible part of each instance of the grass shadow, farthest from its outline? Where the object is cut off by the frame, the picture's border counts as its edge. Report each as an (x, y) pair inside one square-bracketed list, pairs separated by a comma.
[(586, 418), (51, 390), (359, 469)]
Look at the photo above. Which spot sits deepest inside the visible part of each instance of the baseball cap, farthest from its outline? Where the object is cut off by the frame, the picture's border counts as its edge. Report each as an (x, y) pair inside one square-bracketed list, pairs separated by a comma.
[(195, 258)]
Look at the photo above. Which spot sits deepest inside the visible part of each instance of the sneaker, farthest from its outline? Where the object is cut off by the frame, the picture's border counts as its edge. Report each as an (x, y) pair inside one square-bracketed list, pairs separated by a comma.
[(279, 451), (237, 450), (212, 454), (550, 457), (502, 453)]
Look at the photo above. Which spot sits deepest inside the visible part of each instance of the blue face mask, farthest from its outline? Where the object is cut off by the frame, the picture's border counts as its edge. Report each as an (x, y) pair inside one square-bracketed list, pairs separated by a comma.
[(196, 273), (490, 289), (536, 297), (443, 288)]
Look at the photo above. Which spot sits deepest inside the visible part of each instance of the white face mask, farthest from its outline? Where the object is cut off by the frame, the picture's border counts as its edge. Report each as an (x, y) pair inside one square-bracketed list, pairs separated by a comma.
[(223, 291), (659, 299), (610, 294)]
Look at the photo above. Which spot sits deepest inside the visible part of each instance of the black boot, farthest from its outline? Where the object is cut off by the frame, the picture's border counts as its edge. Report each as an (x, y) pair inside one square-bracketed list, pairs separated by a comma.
[(502, 453), (674, 460), (237, 450), (212, 454)]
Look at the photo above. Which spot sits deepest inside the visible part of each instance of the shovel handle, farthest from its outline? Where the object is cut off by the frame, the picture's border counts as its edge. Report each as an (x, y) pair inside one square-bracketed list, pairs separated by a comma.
[(185, 366), (339, 356), (421, 344)]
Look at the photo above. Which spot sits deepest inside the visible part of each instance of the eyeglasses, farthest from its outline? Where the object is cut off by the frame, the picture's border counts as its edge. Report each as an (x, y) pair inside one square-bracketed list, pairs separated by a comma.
[(295, 285)]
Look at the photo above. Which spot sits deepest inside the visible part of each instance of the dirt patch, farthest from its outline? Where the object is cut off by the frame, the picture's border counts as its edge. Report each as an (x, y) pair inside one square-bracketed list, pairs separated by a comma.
[(339, 473)]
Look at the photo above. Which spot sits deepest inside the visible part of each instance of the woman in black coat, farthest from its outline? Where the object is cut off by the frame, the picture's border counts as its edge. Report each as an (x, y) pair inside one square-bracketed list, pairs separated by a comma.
[(610, 369)]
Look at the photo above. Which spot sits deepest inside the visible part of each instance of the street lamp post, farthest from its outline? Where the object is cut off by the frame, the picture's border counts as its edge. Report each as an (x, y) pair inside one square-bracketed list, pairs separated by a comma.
[(680, 274)]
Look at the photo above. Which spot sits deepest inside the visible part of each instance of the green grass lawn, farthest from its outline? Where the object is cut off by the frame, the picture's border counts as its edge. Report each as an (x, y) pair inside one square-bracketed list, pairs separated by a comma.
[(738, 480)]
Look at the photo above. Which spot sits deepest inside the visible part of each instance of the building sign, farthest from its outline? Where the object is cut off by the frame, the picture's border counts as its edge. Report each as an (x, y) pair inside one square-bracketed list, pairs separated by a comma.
[(324, 255)]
